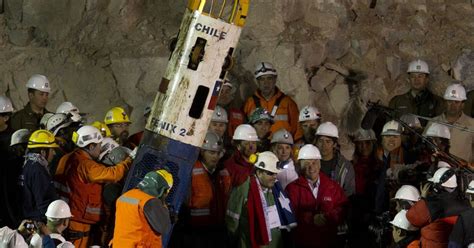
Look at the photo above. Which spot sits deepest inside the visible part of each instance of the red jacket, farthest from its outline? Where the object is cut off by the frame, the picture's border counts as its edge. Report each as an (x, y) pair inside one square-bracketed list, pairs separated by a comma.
[(239, 169), (434, 233), (236, 118), (330, 202), (365, 173)]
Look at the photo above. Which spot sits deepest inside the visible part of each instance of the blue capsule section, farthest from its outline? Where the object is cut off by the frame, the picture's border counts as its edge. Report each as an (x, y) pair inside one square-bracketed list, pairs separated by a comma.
[(157, 152)]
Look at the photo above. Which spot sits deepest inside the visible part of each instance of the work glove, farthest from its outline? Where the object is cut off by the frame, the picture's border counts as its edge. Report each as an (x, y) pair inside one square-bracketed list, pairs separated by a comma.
[(133, 153)]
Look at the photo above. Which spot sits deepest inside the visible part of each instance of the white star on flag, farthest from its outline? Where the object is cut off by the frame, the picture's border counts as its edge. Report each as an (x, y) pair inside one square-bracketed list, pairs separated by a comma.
[(285, 202)]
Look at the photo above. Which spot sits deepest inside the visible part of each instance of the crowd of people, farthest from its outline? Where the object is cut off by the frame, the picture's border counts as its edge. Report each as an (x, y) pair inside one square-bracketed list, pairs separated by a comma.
[(269, 174)]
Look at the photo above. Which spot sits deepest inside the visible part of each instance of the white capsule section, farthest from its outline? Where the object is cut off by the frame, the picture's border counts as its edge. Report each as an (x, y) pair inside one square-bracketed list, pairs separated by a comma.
[(189, 89)]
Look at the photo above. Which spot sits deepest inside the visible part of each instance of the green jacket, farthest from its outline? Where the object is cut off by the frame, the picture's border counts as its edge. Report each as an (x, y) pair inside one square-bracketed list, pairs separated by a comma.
[(26, 118), (425, 104)]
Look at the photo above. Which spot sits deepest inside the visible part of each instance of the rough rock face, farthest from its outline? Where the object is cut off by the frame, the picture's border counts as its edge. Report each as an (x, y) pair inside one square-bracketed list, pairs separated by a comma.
[(330, 53)]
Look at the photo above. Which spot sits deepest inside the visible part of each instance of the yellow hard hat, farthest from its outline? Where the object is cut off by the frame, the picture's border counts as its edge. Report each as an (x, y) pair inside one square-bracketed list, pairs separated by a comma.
[(104, 129), (167, 176), (116, 115), (42, 138)]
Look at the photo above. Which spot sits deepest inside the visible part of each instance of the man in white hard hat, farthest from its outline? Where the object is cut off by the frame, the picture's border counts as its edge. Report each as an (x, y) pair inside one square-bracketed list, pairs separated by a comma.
[(406, 196), (419, 99), (6, 131), (463, 231), (281, 107), (404, 233), (437, 213), (58, 215), (318, 201), (282, 146), (245, 141), (219, 122), (81, 178), (38, 95), (309, 120), (462, 143), (258, 209), (333, 163), (391, 155)]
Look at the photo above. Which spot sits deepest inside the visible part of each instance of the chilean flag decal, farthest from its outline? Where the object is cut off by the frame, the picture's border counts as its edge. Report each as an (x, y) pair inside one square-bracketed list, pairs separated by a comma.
[(215, 95)]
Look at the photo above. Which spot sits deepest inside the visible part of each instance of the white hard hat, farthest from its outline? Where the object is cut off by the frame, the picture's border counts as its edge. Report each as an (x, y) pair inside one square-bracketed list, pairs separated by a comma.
[(266, 161), (402, 222), (20, 136), (58, 210), (56, 122), (363, 135), (455, 92), (245, 132), (437, 130), (282, 136), (87, 135), (309, 151), (107, 145), (418, 66), (392, 128), (411, 120), (264, 68), (212, 142), (71, 109), (39, 82), (446, 177), (36, 241), (44, 119), (407, 192), (220, 115), (6, 105), (327, 129), (308, 113), (442, 164), (470, 188)]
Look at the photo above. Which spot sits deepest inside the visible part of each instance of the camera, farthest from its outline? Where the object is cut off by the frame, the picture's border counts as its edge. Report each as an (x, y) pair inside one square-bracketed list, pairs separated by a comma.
[(381, 230)]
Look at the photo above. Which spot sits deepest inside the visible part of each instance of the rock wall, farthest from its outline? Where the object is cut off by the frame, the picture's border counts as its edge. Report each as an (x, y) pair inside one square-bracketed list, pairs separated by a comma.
[(335, 54)]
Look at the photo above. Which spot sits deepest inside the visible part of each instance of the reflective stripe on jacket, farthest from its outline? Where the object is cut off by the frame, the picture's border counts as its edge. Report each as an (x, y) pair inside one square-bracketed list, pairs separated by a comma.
[(208, 196), (131, 226), (84, 178)]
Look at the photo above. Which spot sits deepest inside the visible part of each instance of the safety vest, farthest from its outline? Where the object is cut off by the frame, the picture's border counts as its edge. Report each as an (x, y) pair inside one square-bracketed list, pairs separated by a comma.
[(131, 227), (85, 199), (207, 202)]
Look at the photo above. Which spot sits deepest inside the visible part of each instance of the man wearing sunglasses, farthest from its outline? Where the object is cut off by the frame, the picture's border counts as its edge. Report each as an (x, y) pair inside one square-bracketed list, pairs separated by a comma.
[(281, 107)]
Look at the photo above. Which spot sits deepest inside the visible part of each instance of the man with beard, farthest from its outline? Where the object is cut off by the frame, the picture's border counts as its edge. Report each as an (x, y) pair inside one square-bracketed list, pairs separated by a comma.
[(462, 142), (118, 122), (261, 120), (309, 120), (226, 100), (245, 140), (38, 94)]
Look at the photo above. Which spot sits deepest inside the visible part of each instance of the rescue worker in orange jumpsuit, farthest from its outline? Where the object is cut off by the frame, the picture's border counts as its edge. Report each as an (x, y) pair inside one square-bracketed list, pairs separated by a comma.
[(142, 216), (281, 107), (82, 178), (210, 188)]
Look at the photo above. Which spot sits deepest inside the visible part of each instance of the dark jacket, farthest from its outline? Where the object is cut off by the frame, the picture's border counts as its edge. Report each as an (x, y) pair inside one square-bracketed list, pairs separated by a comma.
[(425, 104), (436, 216), (26, 118), (37, 190), (463, 231), (330, 202)]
